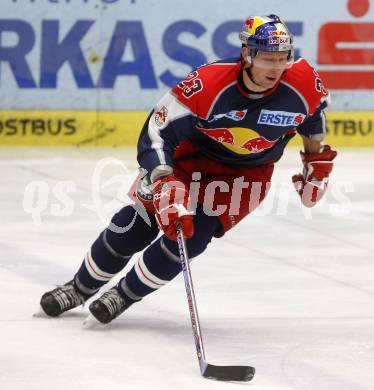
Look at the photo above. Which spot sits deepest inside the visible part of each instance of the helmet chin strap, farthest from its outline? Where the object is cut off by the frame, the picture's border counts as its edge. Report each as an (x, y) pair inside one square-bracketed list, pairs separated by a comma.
[(249, 74)]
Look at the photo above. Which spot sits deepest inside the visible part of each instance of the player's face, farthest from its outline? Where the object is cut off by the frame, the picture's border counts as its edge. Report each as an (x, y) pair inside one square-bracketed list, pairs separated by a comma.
[(267, 67)]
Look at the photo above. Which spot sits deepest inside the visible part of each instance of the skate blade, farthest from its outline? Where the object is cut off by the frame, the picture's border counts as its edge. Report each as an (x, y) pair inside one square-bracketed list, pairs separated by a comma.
[(89, 321), (39, 313)]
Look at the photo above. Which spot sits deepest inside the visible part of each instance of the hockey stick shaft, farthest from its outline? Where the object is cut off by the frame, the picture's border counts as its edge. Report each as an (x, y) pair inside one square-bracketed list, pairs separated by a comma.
[(223, 373), (187, 276)]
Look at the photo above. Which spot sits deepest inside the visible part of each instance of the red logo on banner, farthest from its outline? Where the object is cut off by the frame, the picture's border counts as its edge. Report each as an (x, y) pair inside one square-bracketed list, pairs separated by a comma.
[(347, 46)]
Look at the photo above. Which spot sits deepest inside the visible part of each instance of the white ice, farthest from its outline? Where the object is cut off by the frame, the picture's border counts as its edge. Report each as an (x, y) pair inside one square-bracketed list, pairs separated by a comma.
[(289, 290)]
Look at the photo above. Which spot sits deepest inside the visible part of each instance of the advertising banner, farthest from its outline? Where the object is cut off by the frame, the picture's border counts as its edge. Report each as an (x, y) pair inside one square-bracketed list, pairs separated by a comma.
[(88, 128), (85, 57)]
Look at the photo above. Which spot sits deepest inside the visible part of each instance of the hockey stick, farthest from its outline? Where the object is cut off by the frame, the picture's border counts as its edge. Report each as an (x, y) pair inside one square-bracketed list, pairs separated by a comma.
[(222, 373)]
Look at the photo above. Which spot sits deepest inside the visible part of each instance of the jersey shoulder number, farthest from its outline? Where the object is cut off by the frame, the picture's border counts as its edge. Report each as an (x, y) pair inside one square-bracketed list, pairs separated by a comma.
[(190, 85), (201, 88), (307, 82)]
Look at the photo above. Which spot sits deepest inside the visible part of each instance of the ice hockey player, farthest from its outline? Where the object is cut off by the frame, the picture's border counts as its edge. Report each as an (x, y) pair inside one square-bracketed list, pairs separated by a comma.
[(207, 153)]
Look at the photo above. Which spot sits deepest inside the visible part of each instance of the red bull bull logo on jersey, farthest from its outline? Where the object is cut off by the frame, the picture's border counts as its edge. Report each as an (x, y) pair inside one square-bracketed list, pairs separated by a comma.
[(239, 139)]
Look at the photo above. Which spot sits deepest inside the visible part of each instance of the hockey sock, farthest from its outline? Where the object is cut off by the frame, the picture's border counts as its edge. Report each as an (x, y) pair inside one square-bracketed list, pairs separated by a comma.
[(160, 261), (112, 250)]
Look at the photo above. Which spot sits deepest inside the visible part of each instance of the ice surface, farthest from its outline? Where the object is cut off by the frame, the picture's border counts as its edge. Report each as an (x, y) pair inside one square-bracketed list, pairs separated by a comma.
[(289, 290)]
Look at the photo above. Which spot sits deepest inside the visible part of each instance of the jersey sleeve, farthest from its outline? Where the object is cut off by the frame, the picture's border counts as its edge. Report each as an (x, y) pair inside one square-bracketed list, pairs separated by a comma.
[(314, 126), (306, 82), (169, 123)]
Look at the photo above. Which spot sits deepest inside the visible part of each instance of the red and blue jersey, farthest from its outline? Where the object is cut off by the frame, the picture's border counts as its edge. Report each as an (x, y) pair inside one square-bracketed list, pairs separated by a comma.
[(213, 109)]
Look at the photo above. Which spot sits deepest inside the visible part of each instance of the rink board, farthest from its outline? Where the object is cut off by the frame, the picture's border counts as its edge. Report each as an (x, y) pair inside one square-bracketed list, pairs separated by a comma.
[(77, 128), (123, 55)]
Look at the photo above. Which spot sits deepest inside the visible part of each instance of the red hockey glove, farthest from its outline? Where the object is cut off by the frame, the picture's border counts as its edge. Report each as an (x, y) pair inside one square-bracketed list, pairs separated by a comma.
[(170, 199), (312, 183)]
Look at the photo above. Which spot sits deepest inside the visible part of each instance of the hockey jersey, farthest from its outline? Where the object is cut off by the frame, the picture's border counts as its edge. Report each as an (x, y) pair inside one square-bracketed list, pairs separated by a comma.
[(213, 109)]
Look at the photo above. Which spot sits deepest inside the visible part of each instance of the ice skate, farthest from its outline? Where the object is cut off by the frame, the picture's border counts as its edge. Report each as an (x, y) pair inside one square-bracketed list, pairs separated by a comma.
[(109, 306), (62, 299)]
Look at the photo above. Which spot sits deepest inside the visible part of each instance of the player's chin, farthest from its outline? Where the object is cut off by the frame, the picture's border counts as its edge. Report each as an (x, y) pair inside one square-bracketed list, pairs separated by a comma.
[(270, 81)]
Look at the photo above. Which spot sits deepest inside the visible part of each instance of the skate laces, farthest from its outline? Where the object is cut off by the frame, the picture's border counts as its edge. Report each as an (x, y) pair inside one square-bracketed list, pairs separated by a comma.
[(68, 297), (113, 301)]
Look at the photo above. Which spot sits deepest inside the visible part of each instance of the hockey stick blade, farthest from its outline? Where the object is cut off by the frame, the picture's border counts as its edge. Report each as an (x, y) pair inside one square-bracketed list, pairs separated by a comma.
[(229, 373)]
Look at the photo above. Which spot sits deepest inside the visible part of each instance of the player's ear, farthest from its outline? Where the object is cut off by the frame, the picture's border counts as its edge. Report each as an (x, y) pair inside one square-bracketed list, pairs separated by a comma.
[(244, 53)]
